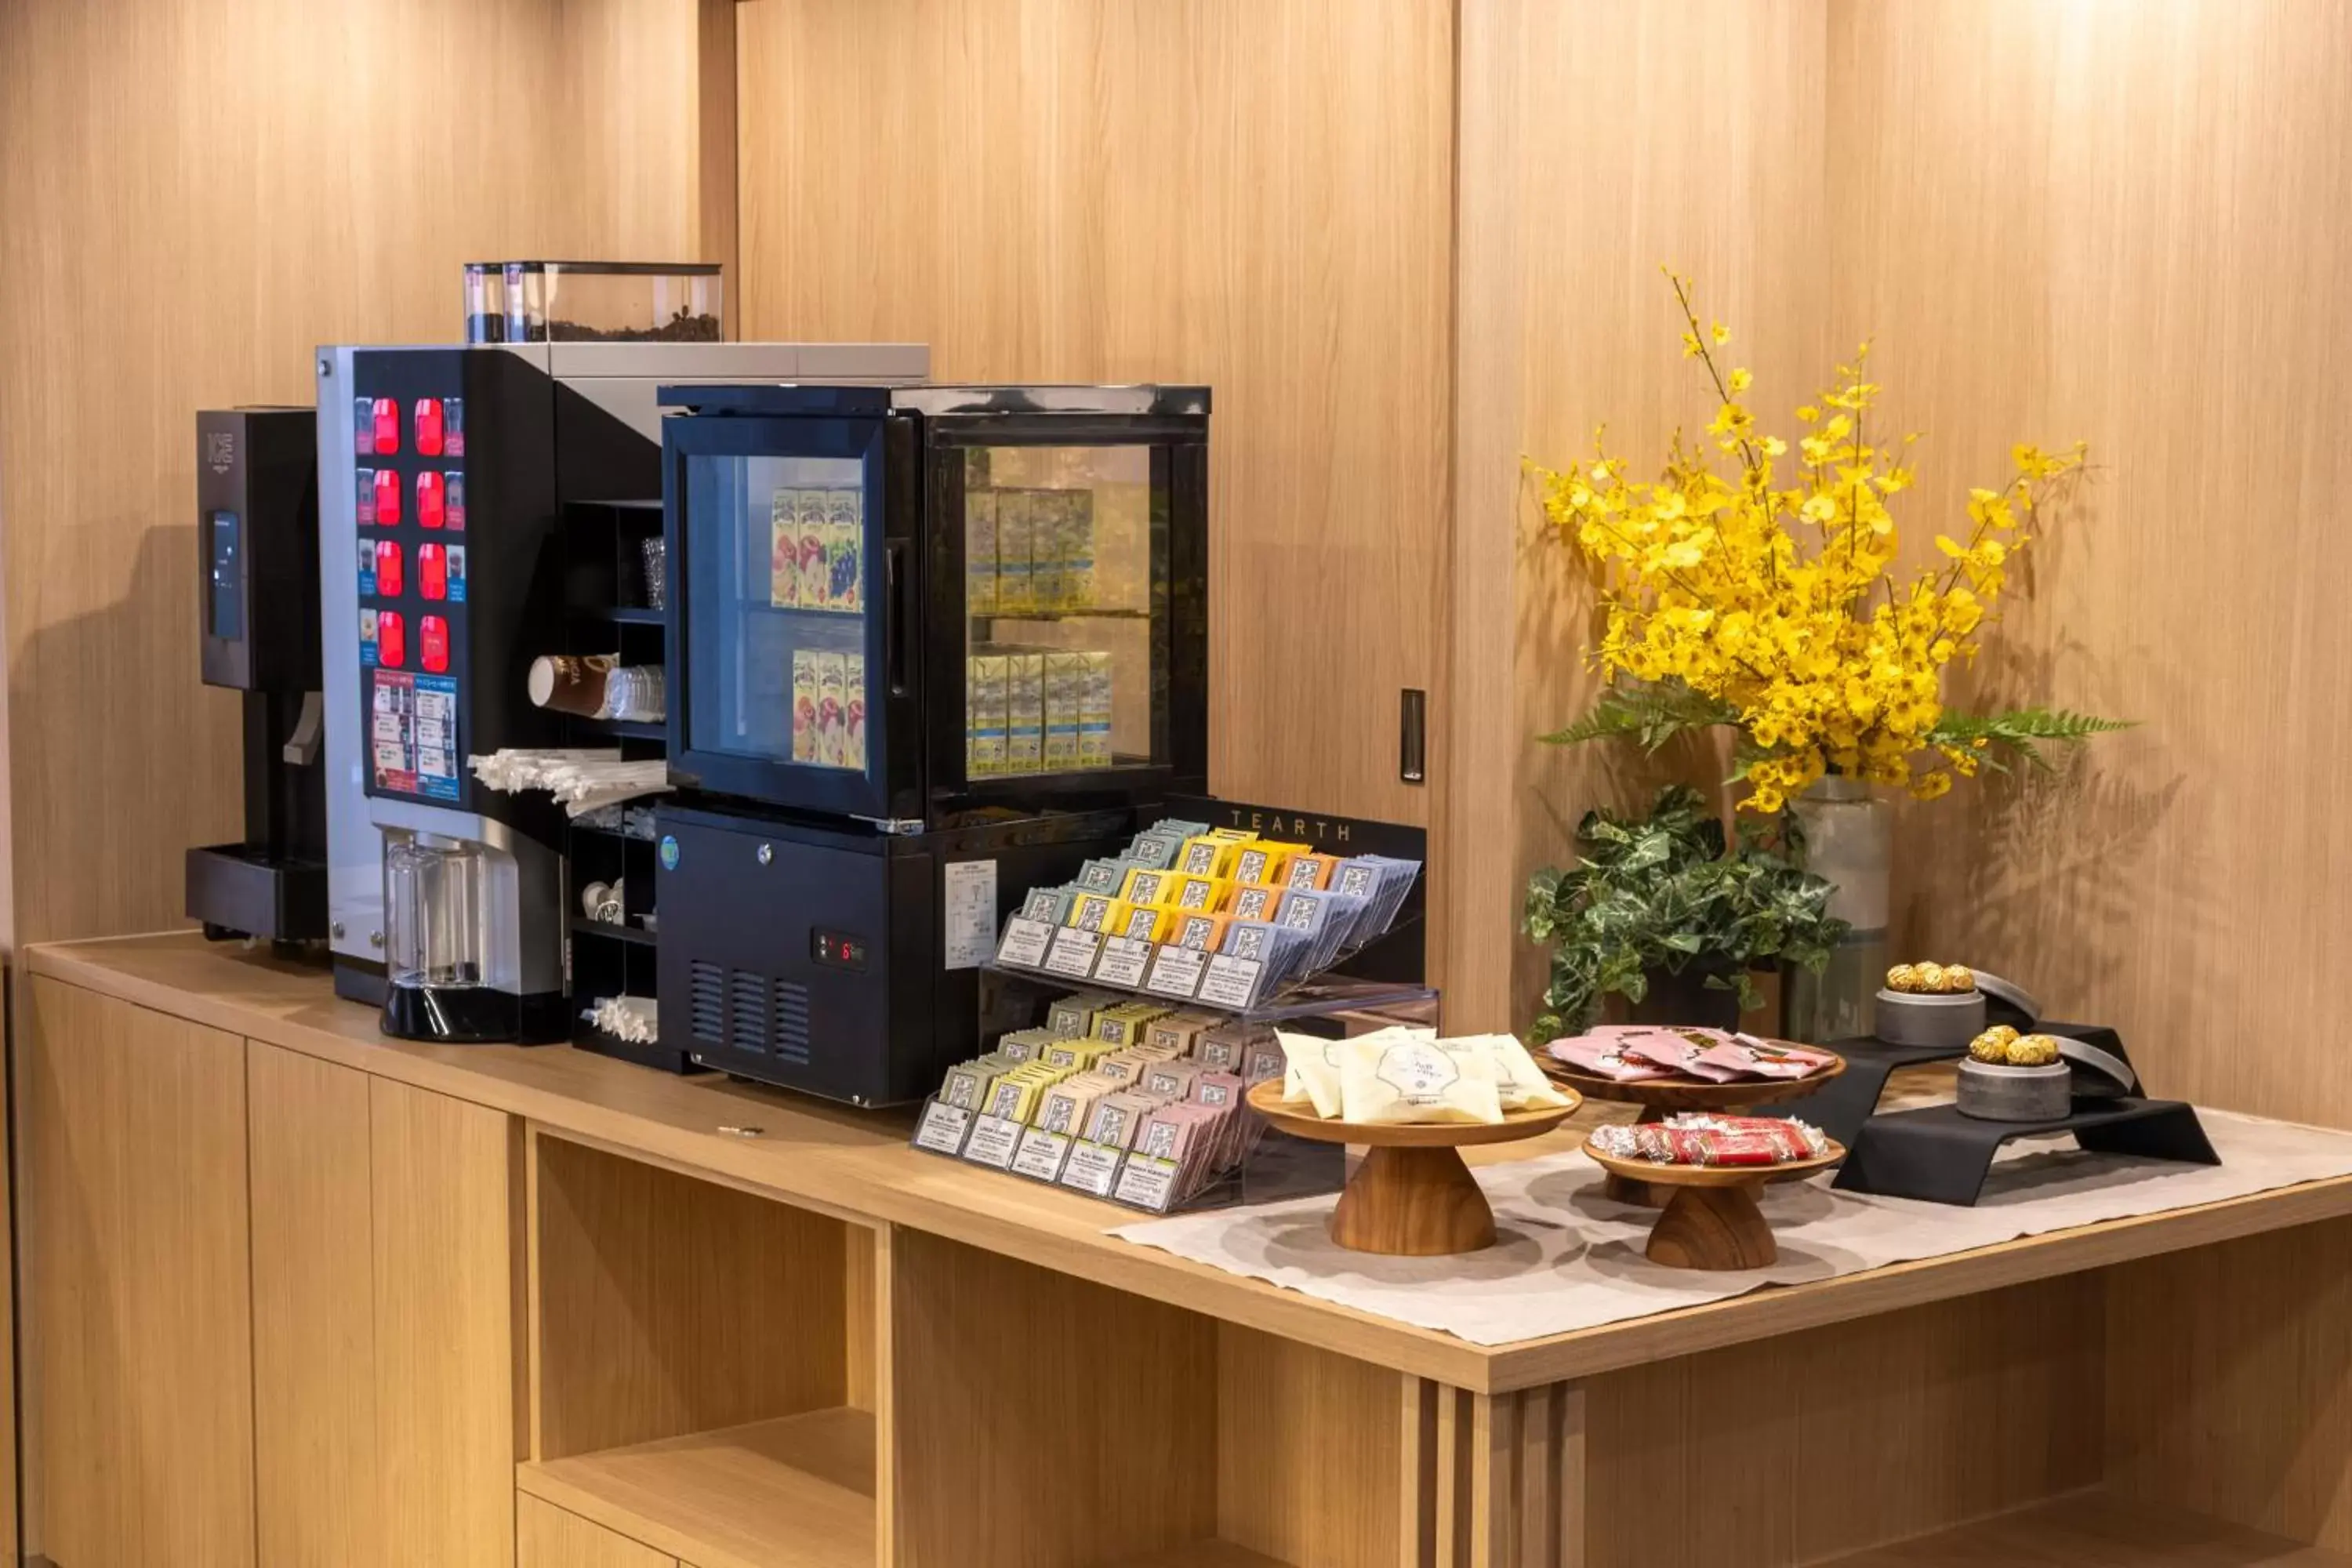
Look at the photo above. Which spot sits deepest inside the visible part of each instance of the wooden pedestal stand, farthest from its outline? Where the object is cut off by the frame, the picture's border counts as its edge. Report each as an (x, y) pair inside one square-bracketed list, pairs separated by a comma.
[(1411, 1196), (1662, 1097), (1711, 1220)]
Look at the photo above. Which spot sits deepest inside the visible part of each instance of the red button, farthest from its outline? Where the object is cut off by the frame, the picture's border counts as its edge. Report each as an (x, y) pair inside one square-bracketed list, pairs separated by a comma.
[(391, 640), (433, 642), (387, 426), (429, 427), (428, 501), (431, 572), (387, 497), (387, 569)]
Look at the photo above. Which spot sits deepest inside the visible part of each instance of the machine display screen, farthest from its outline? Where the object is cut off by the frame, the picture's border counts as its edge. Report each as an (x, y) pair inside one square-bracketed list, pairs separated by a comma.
[(225, 586)]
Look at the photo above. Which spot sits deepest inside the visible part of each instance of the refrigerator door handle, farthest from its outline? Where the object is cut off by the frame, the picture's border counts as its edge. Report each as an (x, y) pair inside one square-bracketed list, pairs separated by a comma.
[(898, 625)]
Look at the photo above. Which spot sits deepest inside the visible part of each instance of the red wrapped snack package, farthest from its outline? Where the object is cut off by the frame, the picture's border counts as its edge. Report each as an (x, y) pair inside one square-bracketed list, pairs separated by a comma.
[(1713, 1140)]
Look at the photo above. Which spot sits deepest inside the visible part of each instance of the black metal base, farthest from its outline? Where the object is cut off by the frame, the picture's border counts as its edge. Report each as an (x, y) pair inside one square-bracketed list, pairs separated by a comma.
[(1841, 1107), (475, 1016), (1940, 1156), (644, 1054), (357, 980)]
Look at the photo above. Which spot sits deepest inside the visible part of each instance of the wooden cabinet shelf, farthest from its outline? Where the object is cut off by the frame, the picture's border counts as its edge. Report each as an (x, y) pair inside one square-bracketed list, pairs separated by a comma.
[(1206, 1554), (2097, 1530), (793, 1492)]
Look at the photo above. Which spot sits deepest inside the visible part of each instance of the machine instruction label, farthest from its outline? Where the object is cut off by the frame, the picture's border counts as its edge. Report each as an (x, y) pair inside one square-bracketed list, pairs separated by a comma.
[(970, 915), (413, 733)]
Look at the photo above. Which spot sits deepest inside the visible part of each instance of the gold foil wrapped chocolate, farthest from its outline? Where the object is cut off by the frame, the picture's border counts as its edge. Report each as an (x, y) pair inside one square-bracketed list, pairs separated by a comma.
[(2033, 1051), (1992, 1046), (1932, 979)]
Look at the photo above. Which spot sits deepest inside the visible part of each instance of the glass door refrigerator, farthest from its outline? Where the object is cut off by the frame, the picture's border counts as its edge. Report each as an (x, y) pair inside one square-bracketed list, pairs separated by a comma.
[(931, 646)]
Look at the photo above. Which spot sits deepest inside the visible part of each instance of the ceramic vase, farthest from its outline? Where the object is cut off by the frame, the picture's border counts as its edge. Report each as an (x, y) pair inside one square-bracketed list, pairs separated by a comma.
[(1849, 841)]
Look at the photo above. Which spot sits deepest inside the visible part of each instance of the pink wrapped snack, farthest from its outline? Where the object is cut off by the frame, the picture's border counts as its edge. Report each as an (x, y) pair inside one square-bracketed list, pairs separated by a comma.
[(1672, 1051), (1747, 1057), (1602, 1057)]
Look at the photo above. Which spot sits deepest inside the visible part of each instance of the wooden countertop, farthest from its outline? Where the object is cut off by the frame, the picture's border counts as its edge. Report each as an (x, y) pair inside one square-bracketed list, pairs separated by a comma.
[(858, 1166)]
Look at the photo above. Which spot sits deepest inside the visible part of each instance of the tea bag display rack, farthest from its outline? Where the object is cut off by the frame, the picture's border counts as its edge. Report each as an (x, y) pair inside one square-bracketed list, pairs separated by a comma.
[(1224, 1056), (1315, 997), (613, 605)]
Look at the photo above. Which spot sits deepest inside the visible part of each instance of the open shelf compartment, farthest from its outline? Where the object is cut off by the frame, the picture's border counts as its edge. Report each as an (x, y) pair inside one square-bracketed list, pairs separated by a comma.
[(702, 1366), (1044, 1421)]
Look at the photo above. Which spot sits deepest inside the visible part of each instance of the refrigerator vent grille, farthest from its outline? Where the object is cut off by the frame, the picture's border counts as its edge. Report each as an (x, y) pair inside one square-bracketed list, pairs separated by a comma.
[(708, 1003), (738, 1010), (792, 1041)]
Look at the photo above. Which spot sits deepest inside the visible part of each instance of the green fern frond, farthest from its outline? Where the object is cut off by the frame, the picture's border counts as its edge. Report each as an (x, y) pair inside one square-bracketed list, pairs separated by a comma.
[(2019, 731), (1650, 712)]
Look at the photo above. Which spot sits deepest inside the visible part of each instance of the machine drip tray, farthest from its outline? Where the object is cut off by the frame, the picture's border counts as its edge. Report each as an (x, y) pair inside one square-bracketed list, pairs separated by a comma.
[(475, 1016), (238, 890)]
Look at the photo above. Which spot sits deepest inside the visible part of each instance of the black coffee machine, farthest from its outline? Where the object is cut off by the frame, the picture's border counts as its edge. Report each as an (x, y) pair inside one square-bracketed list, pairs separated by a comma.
[(257, 572)]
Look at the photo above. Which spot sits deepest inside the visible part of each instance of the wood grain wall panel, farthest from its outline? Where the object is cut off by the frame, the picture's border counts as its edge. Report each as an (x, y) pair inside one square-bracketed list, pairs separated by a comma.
[(138, 1316), (1598, 141), (2229, 1382), (1253, 194), (2122, 223), (2000, 1402), (314, 1366), (199, 192)]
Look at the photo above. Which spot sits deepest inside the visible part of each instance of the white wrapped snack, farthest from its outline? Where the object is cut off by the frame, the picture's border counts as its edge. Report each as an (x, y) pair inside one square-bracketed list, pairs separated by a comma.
[(1519, 1082), (1395, 1077), (1312, 1074)]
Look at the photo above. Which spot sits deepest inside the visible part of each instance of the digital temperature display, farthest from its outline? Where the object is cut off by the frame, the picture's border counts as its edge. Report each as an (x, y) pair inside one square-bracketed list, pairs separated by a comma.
[(836, 951)]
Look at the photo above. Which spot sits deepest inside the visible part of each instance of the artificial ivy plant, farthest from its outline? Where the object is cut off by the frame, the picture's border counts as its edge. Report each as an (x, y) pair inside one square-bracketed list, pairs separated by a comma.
[(1660, 894)]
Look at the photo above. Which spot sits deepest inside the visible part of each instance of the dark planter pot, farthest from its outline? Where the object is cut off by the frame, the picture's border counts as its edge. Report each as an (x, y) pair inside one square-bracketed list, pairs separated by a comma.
[(1687, 998)]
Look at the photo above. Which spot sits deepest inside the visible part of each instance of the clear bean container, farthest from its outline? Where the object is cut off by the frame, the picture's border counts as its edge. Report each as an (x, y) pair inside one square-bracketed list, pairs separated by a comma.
[(435, 894), (592, 301)]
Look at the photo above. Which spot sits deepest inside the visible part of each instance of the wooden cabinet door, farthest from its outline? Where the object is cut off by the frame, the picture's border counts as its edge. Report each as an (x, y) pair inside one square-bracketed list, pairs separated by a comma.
[(139, 1322), (385, 1358), (548, 1537), (314, 1368), (444, 1178)]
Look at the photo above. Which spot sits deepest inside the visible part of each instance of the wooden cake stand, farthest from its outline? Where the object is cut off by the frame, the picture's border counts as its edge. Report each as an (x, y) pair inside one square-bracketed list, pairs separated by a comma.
[(1411, 1196), (1661, 1096), (1711, 1220)]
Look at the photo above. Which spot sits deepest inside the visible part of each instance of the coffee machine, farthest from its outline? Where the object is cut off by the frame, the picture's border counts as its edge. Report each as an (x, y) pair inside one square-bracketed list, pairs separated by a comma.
[(443, 474), (258, 555)]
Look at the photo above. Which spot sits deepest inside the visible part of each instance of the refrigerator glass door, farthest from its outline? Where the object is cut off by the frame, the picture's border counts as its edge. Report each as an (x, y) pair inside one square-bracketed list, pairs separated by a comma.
[(779, 548), (1067, 569)]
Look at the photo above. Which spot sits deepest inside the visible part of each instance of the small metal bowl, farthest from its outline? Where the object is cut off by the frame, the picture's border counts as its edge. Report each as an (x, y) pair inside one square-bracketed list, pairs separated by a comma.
[(1946, 1020), (2004, 1093)]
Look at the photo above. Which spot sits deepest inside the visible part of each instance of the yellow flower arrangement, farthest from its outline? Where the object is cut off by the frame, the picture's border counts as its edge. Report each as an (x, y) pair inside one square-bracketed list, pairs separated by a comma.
[(1768, 599)]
